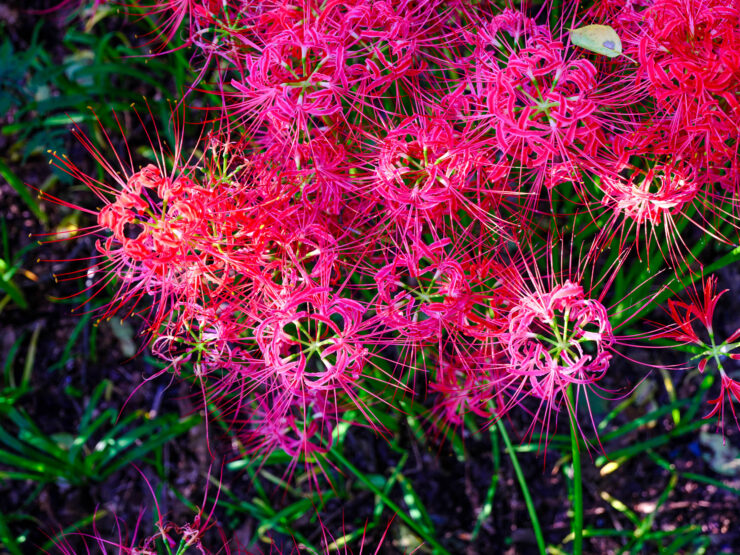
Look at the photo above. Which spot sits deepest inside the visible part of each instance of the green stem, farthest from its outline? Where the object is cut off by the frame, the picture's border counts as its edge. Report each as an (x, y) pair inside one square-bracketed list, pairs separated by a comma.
[(438, 549), (523, 484), (577, 524)]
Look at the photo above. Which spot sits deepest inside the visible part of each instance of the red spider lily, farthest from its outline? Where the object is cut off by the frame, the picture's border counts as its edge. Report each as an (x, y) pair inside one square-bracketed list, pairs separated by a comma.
[(435, 296), (463, 386), (542, 103), (687, 58), (729, 389), (559, 335), (701, 306), (297, 73), (650, 196), (643, 204), (147, 246), (171, 537), (170, 16)]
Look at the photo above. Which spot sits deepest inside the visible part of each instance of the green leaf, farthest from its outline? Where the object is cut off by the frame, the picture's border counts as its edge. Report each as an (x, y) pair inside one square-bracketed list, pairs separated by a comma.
[(22, 191)]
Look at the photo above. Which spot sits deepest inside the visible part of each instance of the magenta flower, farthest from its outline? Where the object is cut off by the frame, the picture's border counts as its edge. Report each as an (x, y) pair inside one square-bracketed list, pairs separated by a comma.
[(651, 196), (558, 338), (311, 344), (543, 103)]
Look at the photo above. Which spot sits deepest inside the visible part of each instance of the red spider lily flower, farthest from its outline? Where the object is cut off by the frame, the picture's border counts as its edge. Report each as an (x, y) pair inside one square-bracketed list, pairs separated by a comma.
[(298, 65), (541, 101), (169, 536), (704, 308), (192, 17), (464, 385), (650, 196), (560, 335), (558, 338), (687, 54), (149, 223), (701, 306), (729, 389), (641, 203)]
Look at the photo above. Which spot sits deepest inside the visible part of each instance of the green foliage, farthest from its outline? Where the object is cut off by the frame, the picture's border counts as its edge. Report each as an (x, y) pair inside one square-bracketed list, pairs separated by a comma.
[(10, 265), (101, 445), (103, 72)]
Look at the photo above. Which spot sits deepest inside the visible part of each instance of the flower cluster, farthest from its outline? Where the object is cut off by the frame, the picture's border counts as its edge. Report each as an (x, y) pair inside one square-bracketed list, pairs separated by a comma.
[(383, 210)]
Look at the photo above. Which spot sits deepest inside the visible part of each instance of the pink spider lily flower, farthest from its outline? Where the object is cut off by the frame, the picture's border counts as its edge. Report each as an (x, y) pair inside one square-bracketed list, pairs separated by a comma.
[(638, 204), (560, 335), (558, 338), (427, 174), (420, 298), (310, 344), (464, 385), (544, 104)]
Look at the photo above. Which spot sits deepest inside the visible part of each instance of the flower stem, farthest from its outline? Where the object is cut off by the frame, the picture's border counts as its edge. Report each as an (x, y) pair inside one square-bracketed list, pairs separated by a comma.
[(523, 484), (411, 523), (577, 523)]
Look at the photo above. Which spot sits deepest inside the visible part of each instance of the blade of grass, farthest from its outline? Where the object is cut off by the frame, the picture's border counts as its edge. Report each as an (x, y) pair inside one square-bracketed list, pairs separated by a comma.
[(6, 538), (23, 192), (523, 485), (340, 459), (417, 511), (660, 461), (577, 522), (487, 508)]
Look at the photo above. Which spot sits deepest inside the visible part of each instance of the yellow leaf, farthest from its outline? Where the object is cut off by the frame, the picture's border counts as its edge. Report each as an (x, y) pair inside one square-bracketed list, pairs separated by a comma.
[(600, 39)]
